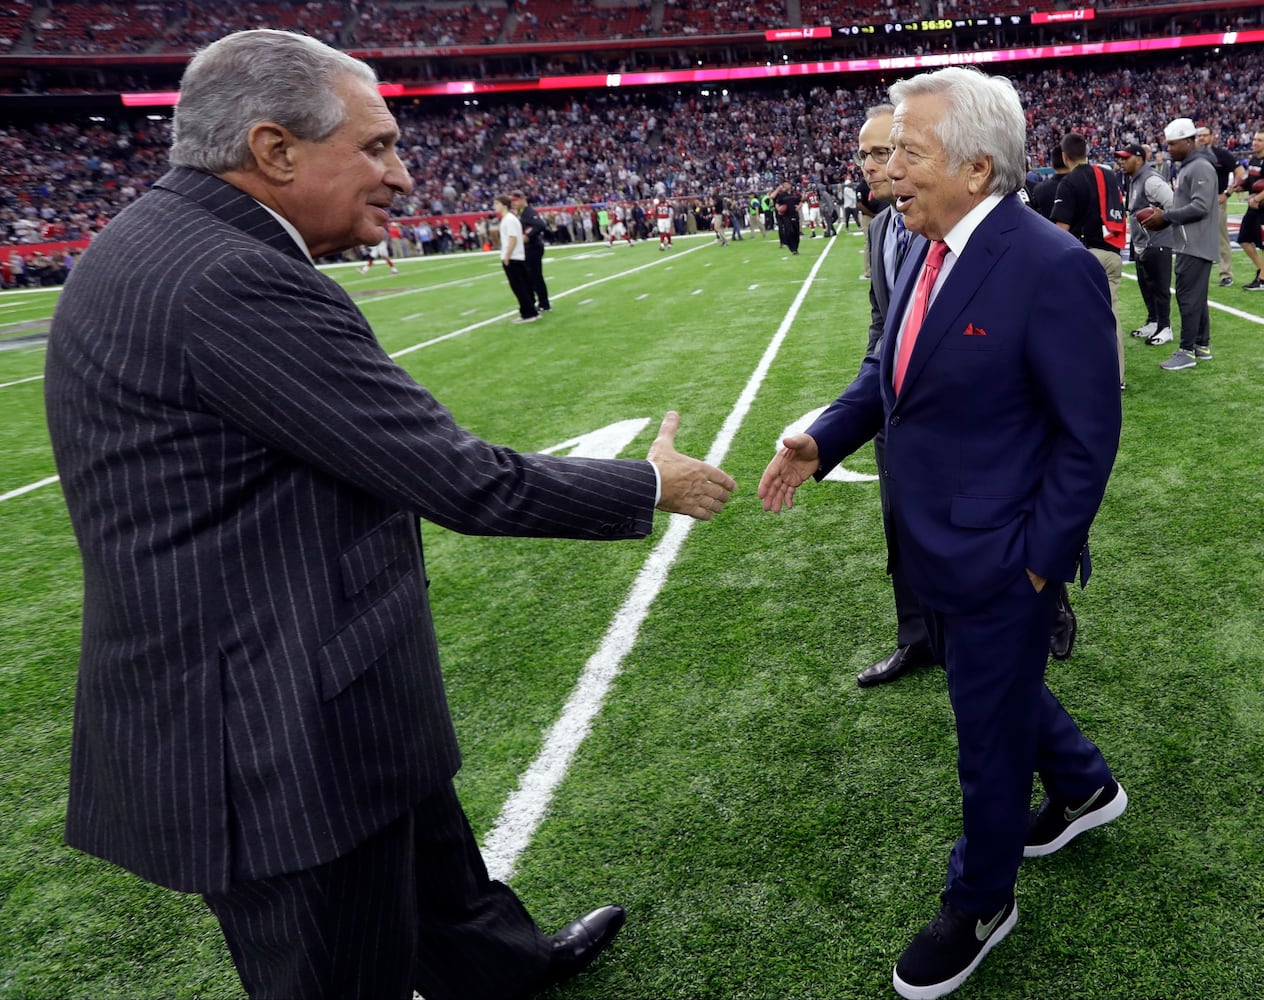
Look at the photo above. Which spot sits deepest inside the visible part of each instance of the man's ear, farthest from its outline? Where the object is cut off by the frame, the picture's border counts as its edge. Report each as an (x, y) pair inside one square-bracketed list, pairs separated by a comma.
[(979, 174), (273, 148)]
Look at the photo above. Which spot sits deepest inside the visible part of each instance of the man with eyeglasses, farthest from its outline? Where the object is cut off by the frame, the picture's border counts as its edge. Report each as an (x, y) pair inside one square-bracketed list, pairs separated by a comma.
[(889, 244)]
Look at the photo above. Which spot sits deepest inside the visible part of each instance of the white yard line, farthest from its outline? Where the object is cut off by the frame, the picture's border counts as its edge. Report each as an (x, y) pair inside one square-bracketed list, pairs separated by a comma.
[(553, 297), (28, 488), (527, 806)]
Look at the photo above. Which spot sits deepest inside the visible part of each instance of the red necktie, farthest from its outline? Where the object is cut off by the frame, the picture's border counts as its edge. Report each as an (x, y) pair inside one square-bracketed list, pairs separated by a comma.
[(921, 304)]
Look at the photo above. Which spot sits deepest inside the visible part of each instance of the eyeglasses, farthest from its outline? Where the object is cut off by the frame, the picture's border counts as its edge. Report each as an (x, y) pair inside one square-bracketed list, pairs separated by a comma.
[(880, 155)]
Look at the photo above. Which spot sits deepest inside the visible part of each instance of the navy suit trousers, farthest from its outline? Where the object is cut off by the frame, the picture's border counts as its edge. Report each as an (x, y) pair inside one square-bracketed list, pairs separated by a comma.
[(1009, 726)]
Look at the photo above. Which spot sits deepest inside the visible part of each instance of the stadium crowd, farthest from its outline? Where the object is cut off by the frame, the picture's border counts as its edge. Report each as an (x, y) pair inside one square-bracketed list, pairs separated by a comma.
[(86, 26), (64, 181)]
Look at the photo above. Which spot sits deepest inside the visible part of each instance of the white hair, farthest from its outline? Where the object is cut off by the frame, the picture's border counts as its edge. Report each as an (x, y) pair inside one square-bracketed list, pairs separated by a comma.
[(984, 117), (256, 76)]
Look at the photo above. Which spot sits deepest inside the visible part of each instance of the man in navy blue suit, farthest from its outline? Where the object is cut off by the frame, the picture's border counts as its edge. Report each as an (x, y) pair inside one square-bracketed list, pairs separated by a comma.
[(998, 393)]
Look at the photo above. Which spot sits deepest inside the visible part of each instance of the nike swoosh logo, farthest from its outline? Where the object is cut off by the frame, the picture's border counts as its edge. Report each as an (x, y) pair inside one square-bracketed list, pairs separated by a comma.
[(1071, 815), (984, 931)]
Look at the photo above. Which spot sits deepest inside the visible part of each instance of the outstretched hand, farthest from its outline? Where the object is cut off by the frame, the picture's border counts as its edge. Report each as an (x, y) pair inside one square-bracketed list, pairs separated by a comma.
[(688, 486), (789, 469)]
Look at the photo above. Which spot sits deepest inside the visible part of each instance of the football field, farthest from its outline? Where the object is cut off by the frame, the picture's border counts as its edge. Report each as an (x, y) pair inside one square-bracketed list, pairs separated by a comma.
[(674, 724)]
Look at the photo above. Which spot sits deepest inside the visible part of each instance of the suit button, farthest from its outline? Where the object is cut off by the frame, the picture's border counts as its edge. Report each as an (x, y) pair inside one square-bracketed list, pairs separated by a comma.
[(895, 421)]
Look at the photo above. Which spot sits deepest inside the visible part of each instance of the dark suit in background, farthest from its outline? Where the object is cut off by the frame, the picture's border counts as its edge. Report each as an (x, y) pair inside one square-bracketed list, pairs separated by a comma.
[(533, 229), (260, 715), (884, 252)]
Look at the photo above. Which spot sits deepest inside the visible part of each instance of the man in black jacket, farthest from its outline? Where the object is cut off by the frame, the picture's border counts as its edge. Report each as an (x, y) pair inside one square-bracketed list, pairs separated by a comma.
[(533, 229), (787, 201)]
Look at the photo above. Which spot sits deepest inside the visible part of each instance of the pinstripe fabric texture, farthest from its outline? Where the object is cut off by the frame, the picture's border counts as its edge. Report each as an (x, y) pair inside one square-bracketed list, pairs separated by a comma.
[(259, 688), (377, 923)]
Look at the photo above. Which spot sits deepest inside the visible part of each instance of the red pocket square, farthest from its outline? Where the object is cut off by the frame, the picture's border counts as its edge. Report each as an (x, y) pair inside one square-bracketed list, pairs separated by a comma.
[(975, 331)]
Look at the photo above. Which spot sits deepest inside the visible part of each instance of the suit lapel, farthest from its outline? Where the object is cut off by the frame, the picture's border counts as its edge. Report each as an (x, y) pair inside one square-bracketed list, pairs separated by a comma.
[(232, 206), (988, 243)]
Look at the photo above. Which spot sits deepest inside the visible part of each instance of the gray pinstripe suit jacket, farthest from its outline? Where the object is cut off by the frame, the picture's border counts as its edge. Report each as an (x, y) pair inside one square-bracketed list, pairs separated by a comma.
[(259, 686)]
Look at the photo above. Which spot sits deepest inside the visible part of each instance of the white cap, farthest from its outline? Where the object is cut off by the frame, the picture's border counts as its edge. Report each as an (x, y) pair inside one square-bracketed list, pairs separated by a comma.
[(1180, 128)]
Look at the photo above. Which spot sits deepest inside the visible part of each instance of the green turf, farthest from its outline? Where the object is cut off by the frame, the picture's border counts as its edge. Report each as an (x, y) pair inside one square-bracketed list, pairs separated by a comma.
[(774, 831)]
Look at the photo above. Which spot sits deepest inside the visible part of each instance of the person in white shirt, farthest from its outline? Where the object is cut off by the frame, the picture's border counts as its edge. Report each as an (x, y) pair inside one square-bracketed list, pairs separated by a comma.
[(513, 258)]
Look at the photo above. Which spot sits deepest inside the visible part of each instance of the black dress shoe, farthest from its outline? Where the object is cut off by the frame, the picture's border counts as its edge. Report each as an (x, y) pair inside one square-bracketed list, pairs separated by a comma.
[(577, 944), (899, 663), (1062, 635)]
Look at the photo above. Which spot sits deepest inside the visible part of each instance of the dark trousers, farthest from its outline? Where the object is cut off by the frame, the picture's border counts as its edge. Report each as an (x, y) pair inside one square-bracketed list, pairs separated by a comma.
[(1192, 275), (412, 908), (534, 251), (520, 283), (788, 229), (1154, 279), (1009, 726), (910, 625)]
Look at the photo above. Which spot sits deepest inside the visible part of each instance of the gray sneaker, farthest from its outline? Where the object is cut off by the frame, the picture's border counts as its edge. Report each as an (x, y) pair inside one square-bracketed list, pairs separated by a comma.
[(1147, 331), (1179, 359), (1202, 353)]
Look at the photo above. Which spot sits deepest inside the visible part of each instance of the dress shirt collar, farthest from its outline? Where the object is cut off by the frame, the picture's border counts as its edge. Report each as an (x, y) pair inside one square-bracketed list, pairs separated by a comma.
[(289, 228), (959, 235)]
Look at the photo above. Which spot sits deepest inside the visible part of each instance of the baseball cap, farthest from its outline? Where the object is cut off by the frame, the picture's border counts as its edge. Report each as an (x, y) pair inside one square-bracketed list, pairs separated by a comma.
[(1180, 128), (1131, 149)]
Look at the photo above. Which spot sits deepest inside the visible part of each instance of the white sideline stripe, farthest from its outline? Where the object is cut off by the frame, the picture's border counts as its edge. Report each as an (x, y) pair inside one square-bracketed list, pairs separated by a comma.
[(1211, 303), (513, 312), (28, 488), (527, 805), (21, 381)]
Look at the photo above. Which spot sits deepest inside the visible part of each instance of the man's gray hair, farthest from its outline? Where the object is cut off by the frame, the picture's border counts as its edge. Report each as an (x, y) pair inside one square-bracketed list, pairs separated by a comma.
[(879, 109), (984, 116), (257, 76)]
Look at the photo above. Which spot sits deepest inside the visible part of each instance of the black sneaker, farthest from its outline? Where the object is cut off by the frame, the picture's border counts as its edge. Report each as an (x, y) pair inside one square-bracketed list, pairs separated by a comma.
[(948, 949), (1255, 286), (1055, 824)]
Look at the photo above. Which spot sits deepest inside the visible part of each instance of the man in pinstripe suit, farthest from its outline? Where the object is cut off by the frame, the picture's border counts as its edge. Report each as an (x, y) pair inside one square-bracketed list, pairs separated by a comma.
[(260, 715)]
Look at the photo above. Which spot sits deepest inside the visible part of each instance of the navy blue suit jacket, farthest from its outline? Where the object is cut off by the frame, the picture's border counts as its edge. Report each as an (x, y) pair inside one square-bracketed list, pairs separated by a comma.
[(1000, 444)]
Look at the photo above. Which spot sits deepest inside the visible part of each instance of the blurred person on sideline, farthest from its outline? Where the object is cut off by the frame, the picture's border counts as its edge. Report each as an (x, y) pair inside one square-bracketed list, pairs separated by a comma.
[(996, 389), (787, 201), (379, 251), (533, 229), (1194, 218), (1152, 251), (1078, 209), (260, 716), (513, 258), (1226, 166), (1250, 231)]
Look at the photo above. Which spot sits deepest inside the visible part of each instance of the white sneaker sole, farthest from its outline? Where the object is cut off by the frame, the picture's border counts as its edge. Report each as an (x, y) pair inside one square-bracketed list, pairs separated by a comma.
[(1098, 817), (934, 990)]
